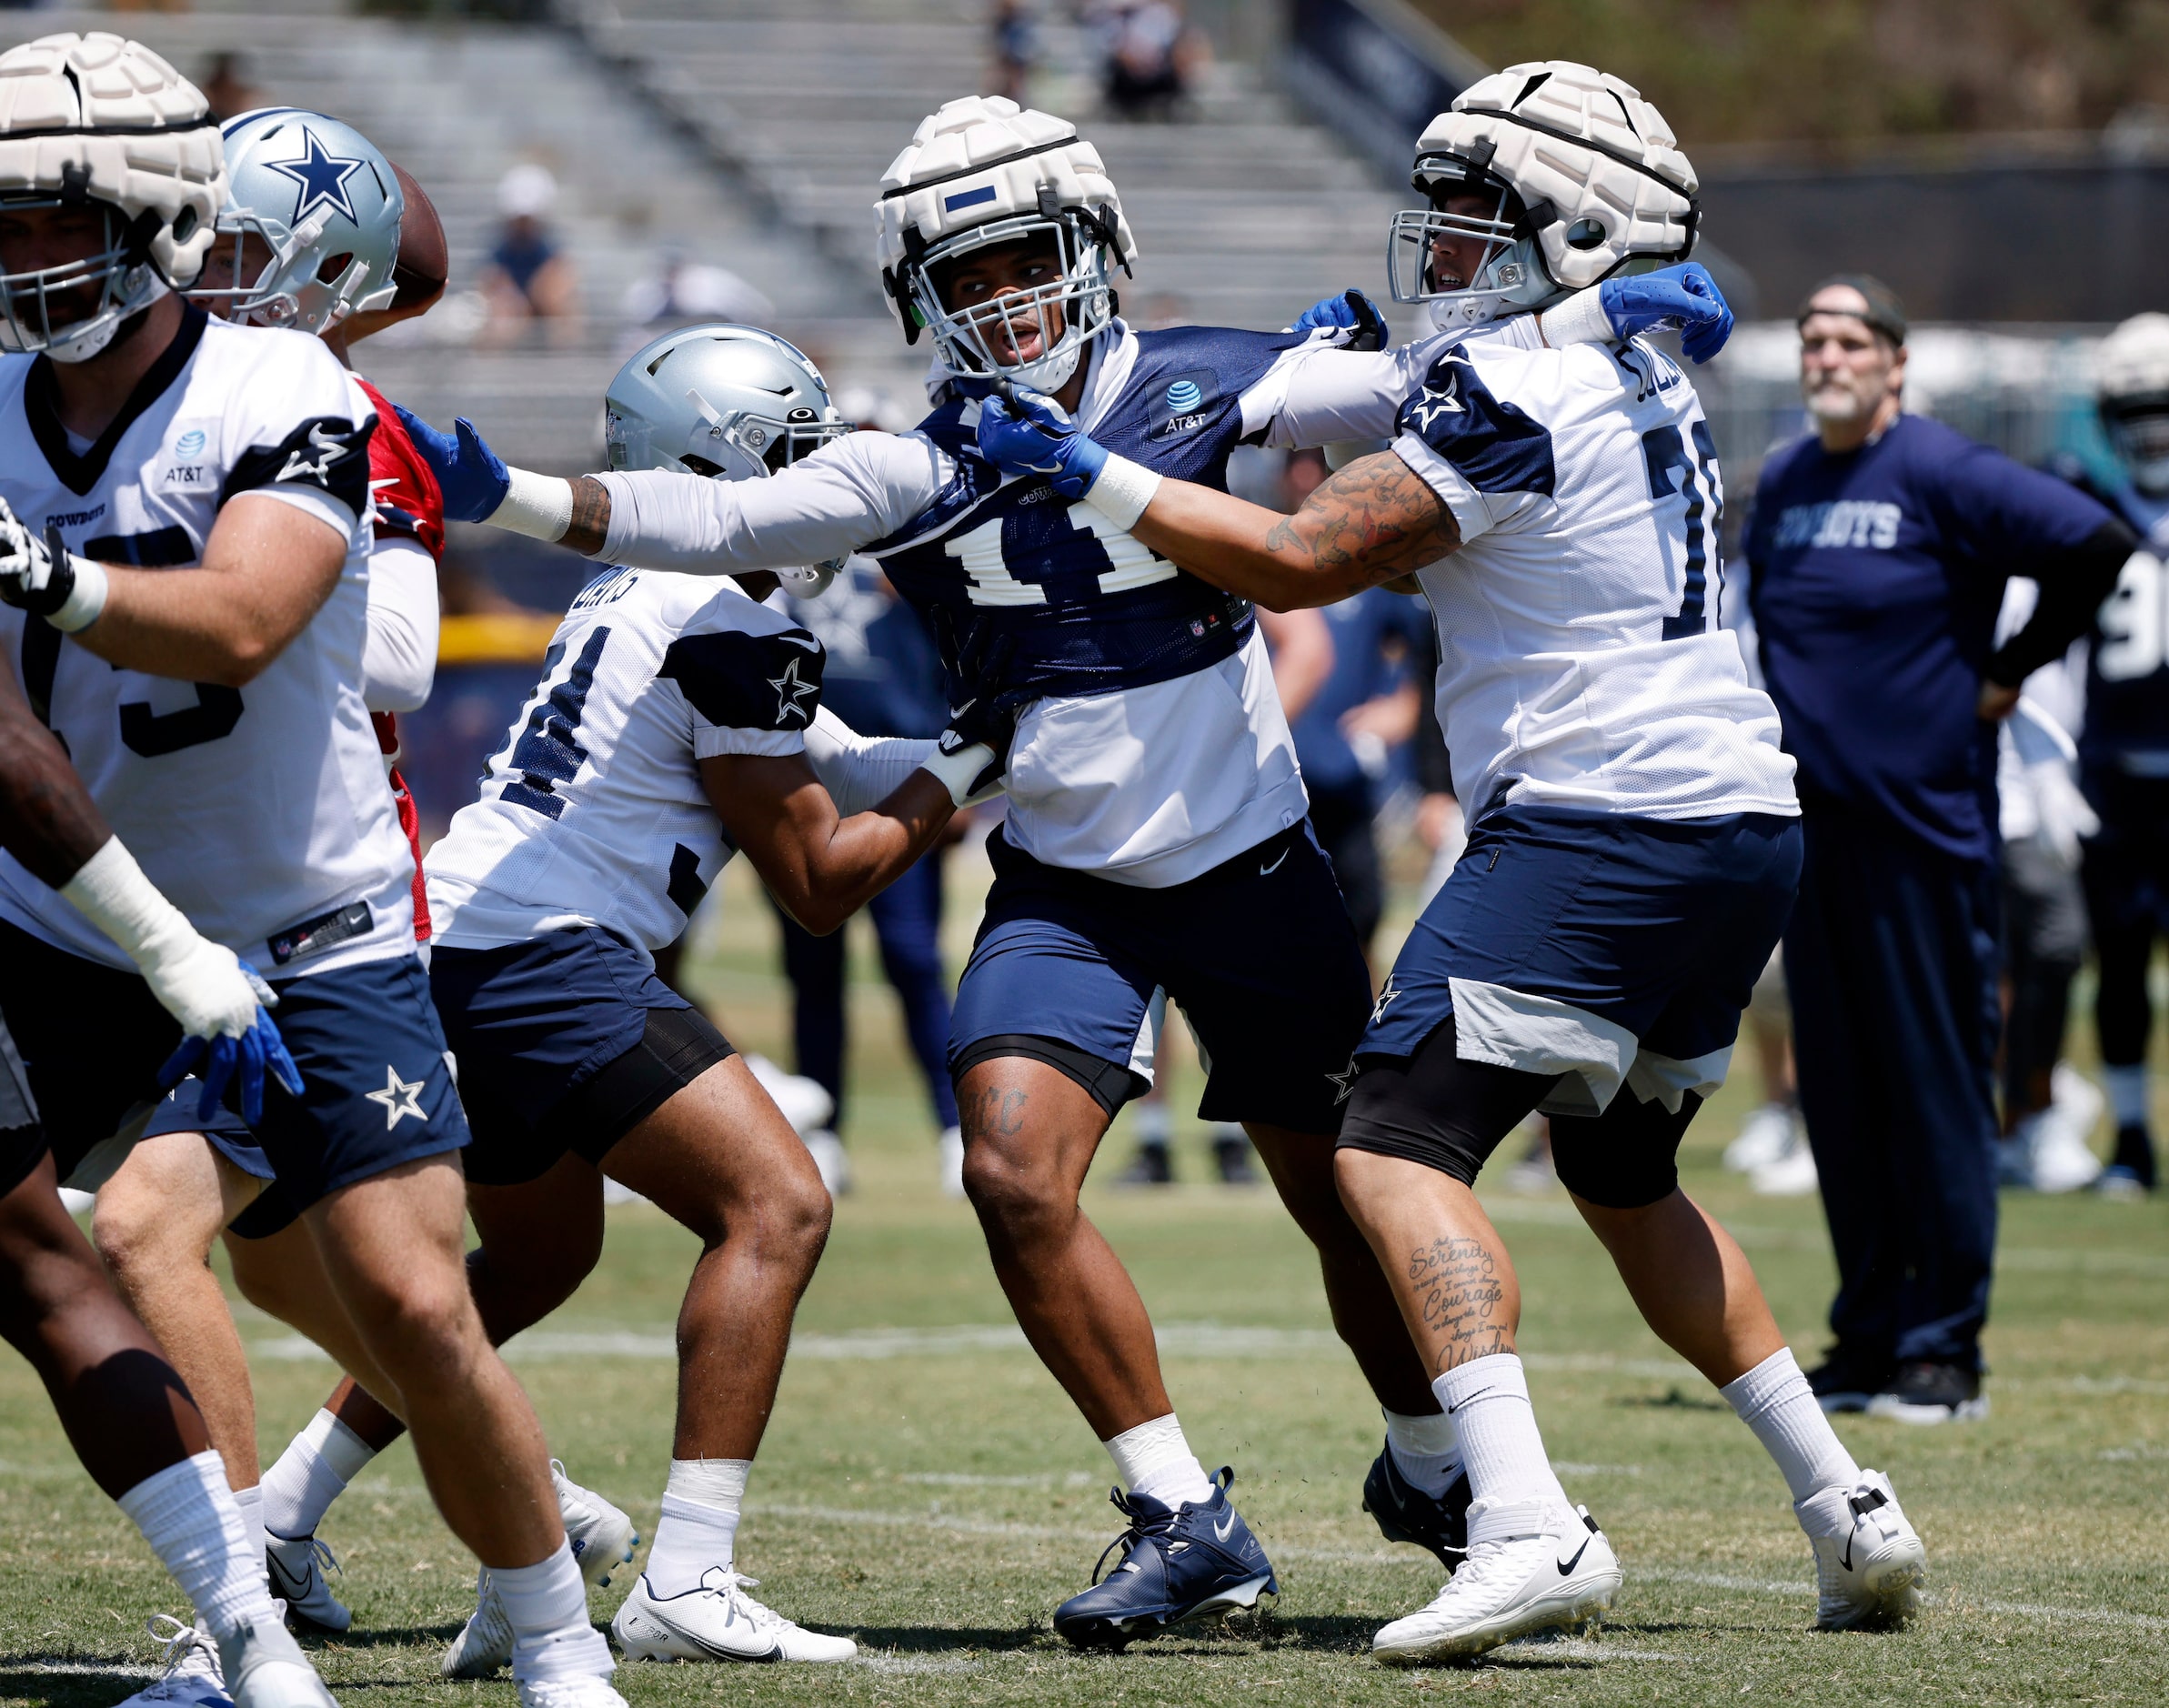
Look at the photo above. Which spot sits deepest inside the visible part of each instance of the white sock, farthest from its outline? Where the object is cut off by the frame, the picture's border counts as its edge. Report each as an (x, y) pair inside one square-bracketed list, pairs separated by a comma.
[(1155, 1460), (1774, 1400), (1426, 1450), (251, 1502), (552, 1636), (189, 1517), (1488, 1400), (700, 1522), (2127, 1093), (312, 1472)]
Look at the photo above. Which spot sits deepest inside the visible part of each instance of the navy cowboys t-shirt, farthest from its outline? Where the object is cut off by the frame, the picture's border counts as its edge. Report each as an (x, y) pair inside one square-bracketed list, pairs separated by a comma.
[(1878, 576)]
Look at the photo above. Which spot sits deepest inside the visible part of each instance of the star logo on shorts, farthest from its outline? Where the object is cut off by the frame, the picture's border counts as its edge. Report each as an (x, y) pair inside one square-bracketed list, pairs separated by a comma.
[(1385, 1000), (400, 1099), (1344, 1082), (791, 691)]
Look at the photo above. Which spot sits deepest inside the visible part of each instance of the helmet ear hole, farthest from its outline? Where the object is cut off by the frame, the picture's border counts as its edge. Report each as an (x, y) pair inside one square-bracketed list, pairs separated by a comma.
[(1585, 234)]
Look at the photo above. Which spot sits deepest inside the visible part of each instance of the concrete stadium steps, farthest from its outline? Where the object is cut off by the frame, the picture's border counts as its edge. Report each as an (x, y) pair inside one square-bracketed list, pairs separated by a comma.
[(1244, 215)]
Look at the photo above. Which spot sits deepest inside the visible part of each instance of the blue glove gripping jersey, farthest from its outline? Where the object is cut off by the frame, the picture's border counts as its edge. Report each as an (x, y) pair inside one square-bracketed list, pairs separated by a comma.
[(2126, 724), (1090, 610), (1878, 574)]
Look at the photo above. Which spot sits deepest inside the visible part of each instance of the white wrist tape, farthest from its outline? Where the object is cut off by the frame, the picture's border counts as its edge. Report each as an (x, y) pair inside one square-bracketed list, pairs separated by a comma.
[(1122, 491), (958, 771), (538, 506), (113, 893), (1580, 319), (85, 601)]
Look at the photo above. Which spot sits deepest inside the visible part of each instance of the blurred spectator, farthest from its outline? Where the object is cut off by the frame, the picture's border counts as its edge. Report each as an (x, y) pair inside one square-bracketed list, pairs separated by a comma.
[(1152, 57), (1016, 49), (882, 677), (528, 280), (680, 291), (228, 87), (1881, 545)]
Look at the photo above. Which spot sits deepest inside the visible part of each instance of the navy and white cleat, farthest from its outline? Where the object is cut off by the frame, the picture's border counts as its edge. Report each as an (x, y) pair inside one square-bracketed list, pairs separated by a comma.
[(1195, 1560), (1438, 1524)]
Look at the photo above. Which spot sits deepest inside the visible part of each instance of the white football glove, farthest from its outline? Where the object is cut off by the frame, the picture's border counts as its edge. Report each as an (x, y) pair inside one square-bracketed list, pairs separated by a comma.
[(67, 591)]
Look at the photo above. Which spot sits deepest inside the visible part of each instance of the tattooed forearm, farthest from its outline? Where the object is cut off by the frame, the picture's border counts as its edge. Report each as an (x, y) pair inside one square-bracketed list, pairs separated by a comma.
[(1374, 521), (590, 516), (1460, 1297)]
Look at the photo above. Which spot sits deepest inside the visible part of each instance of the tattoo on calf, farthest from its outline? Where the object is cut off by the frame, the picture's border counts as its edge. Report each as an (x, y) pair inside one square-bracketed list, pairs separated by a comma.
[(1374, 521), (1458, 1292), (591, 524)]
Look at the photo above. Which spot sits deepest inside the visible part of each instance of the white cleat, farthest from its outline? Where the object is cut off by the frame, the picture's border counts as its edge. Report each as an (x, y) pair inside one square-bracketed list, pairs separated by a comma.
[(191, 1678), (1790, 1175), (951, 1165), (1765, 1136), (265, 1668), (485, 1642), (1531, 1566), (593, 1692), (804, 1102), (602, 1537), (297, 1565), (1869, 1560), (717, 1621)]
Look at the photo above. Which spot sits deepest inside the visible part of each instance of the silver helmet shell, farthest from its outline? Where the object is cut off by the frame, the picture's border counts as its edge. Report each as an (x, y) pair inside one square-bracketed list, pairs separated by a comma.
[(100, 122), (325, 205), (2132, 389), (723, 401)]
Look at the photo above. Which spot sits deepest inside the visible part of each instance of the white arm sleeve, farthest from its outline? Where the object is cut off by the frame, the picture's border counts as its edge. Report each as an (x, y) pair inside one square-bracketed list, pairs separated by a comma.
[(849, 492), (399, 660), (859, 773)]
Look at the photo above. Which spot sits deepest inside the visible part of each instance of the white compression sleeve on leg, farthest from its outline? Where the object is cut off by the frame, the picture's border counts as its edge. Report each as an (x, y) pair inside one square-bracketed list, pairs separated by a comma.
[(312, 1472), (699, 1523), (546, 1604), (859, 773), (538, 506), (189, 1517), (1427, 1450), (1154, 1460), (1487, 1399)]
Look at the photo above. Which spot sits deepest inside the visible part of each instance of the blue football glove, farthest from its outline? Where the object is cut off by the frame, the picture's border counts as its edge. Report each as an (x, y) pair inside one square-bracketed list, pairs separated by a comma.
[(472, 476), (1351, 312), (1685, 298), (1026, 432), (215, 1061)]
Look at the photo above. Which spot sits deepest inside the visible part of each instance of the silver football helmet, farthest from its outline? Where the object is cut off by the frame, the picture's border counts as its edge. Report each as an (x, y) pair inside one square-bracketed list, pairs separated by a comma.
[(726, 402), (323, 206), (2132, 388)]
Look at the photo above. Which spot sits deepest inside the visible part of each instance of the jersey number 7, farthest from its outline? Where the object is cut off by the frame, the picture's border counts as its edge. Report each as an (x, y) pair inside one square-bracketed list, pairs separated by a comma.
[(1663, 451)]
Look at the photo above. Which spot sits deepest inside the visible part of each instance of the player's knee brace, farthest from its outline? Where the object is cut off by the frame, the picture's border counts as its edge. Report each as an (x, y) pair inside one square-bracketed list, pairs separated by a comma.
[(1435, 1109), (1625, 1158)]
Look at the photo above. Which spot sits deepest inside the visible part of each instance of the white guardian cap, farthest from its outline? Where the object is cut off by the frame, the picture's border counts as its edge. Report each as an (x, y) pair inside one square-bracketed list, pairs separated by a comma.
[(324, 206), (984, 171), (1589, 180), (2132, 387), (100, 122)]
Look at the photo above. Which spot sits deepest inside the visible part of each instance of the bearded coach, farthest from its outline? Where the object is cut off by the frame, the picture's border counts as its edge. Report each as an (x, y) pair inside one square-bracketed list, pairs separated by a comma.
[(1880, 545)]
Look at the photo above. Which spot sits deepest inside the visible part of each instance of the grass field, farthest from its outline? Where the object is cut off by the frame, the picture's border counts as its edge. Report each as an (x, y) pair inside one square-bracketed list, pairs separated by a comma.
[(927, 1488)]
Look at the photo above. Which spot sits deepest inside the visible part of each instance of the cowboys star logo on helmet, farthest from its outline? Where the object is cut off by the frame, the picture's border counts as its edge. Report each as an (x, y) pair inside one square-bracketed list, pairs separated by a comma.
[(1581, 179), (321, 176), (984, 173)]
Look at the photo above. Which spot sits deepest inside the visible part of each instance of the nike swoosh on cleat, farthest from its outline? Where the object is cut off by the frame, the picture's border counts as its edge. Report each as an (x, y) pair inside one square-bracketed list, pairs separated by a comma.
[(1566, 1566), (1221, 1532), (774, 1653), (1845, 1559)]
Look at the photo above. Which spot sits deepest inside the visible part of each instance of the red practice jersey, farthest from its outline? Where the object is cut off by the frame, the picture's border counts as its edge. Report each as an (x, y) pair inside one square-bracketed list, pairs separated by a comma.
[(408, 506)]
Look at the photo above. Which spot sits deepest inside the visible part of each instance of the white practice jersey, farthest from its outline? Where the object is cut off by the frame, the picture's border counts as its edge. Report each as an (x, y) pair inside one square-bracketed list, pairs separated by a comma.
[(1158, 749), (261, 811), (1581, 663), (592, 811)]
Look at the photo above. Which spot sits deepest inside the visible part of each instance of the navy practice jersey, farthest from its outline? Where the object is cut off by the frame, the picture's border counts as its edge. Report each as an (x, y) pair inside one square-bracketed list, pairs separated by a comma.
[(2126, 724), (1374, 636), (1878, 576)]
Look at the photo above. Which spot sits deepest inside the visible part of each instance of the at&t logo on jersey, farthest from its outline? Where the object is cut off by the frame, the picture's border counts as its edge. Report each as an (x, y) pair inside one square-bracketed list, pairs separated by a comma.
[(1185, 401)]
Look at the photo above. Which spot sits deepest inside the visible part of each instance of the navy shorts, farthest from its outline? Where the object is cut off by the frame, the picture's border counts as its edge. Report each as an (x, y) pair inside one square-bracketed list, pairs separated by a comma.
[(1608, 950), (565, 1043), (22, 1135), (377, 1084), (1258, 953), (226, 1133)]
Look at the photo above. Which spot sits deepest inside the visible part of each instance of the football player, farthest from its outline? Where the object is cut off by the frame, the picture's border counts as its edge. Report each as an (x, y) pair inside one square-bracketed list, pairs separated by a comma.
[(187, 604), (128, 1413), (2123, 749), (1637, 847), (1155, 807), (673, 727)]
